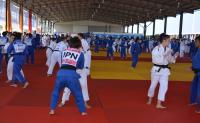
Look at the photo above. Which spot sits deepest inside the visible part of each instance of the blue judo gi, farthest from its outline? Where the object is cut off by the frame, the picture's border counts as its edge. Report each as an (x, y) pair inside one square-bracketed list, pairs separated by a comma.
[(31, 50), (67, 76), (175, 46), (110, 48), (193, 49), (19, 51), (3, 41), (96, 43), (123, 47), (135, 51), (195, 85), (1, 58)]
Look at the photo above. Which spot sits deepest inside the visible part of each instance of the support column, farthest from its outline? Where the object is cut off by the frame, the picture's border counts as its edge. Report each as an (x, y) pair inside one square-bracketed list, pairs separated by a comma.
[(181, 25), (138, 28), (145, 29), (53, 27), (41, 22), (8, 17), (165, 25), (132, 28), (21, 15), (127, 29), (30, 21), (154, 22)]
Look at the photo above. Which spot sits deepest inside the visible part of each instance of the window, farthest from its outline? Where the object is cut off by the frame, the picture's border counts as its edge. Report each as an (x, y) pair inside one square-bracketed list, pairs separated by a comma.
[(135, 28), (34, 22), (125, 29), (14, 17), (149, 29), (25, 20), (2, 15), (173, 25), (141, 28), (191, 23), (130, 29), (159, 26), (38, 25)]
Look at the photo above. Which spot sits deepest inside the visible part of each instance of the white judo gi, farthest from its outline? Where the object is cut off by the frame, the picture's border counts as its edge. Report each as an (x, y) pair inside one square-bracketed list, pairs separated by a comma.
[(182, 48), (130, 43), (83, 73), (56, 56), (114, 46), (49, 52), (160, 56)]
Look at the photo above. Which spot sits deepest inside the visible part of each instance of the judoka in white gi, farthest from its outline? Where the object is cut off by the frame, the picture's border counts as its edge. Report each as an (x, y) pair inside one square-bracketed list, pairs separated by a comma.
[(56, 55), (83, 73), (161, 57), (50, 48)]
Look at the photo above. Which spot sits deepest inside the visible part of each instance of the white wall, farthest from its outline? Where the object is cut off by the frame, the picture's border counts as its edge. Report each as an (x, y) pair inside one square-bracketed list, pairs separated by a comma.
[(85, 26), (80, 28)]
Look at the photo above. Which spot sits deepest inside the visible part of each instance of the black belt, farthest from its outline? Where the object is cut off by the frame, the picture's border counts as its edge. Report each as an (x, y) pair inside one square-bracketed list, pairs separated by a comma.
[(162, 66), (57, 50), (11, 55), (195, 70), (68, 67), (88, 49), (50, 48)]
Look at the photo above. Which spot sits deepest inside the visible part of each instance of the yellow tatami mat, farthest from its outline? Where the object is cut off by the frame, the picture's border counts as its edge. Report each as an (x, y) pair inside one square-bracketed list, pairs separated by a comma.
[(102, 69), (103, 53)]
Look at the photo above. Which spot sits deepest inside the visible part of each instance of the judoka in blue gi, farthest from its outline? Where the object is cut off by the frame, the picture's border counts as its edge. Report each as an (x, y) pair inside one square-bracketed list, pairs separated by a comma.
[(109, 46), (30, 43), (72, 59), (37, 41), (193, 49), (19, 50), (195, 85), (175, 46), (3, 41), (96, 43), (123, 46), (135, 51)]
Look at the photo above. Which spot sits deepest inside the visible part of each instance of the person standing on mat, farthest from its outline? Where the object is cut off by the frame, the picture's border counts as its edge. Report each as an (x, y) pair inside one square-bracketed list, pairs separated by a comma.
[(84, 73), (195, 85), (56, 55), (50, 48), (19, 50), (96, 44), (123, 46), (135, 51), (3, 41), (29, 41), (72, 59), (10, 59), (161, 58), (109, 46)]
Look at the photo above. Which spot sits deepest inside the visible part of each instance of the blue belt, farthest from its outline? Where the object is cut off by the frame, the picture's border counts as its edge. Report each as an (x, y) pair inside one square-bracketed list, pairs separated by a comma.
[(18, 54)]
